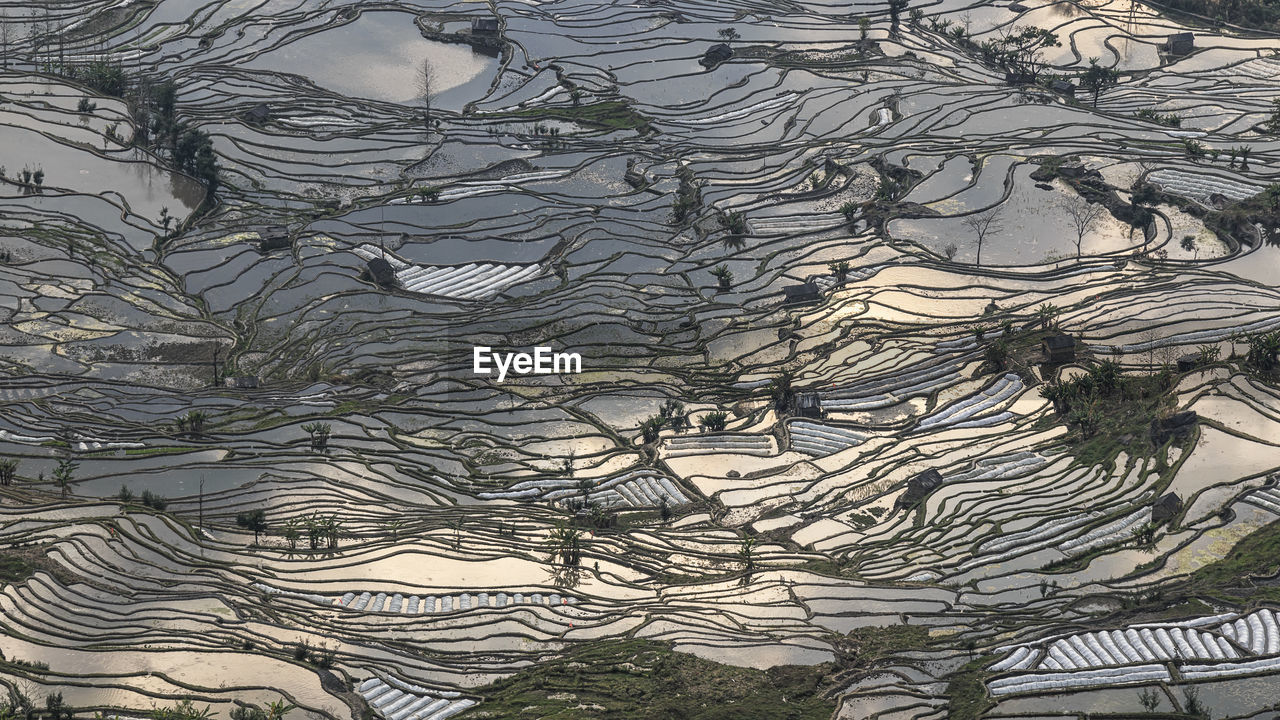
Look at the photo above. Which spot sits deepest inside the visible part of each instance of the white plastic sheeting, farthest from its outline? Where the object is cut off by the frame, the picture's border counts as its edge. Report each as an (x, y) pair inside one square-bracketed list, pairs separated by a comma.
[(1109, 534), (473, 281), (636, 488), (820, 439), (1004, 389), (394, 700), (738, 443), (1049, 682)]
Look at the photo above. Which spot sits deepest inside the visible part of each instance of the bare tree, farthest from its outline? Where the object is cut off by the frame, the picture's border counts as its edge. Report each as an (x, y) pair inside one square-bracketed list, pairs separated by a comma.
[(426, 85), (982, 225), (6, 39), (1149, 339), (1084, 217)]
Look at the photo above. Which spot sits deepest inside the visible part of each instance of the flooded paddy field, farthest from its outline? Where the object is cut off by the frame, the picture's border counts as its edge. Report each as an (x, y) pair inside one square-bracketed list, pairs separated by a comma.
[(908, 387)]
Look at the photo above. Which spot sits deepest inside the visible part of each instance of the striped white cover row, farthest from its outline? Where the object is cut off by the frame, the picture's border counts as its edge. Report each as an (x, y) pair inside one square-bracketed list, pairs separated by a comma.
[(473, 281)]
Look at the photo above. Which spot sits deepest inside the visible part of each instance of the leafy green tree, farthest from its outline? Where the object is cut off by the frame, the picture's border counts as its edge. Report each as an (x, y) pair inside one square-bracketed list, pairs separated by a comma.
[(194, 419), (714, 421), (651, 428), (724, 275), (840, 270), (8, 470), (319, 433), (154, 501), (255, 520), (895, 10), (55, 709), (1191, 704), (1263, 348), (333, 531), (1098, 79), (565, 543), (673, 414), (276, 710), (1021, 52), (850, 210), (104, 76), (184, 710), (292, 532), (1054, 392), (997, 353), (688, 195), (1107, 375), (1273, 196), (780, 391), (1142, 196), (65, 473), (747, 552)]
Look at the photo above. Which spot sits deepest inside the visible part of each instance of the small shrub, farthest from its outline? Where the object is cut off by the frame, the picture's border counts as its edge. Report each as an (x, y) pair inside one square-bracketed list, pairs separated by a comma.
[(154, 501)]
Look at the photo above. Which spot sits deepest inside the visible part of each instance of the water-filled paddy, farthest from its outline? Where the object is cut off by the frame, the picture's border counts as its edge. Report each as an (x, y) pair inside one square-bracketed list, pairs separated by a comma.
[(380, 56)]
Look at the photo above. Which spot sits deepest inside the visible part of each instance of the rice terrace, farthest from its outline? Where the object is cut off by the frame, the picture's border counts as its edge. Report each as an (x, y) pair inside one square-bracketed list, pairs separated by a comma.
[(666, 359)]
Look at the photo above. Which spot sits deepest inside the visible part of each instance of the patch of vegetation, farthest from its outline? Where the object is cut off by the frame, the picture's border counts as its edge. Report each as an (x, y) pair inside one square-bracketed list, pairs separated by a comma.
[(608, 115), (154, 109), (645, 680), (31, 665), (1167, 119), (1257, 555), (895, 183), (19, 563), (1237, 220), (158, 450), (148, 498), (866, 644), (967, 692), (831, 568), (14, 569), (1105, 406), (1256, 14)]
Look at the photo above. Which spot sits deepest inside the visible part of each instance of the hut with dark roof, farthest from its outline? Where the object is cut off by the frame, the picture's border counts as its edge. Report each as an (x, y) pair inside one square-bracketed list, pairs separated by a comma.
[(258, 114), (918, 487), (803, 294), (1179, 44), (716, 54), (1166, 508), (809, 405), (381, 272), (484, 26), (1058, 348)]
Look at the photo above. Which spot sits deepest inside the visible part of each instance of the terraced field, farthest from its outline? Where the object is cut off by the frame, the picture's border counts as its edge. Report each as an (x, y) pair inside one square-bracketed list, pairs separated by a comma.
[(918, 379)]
